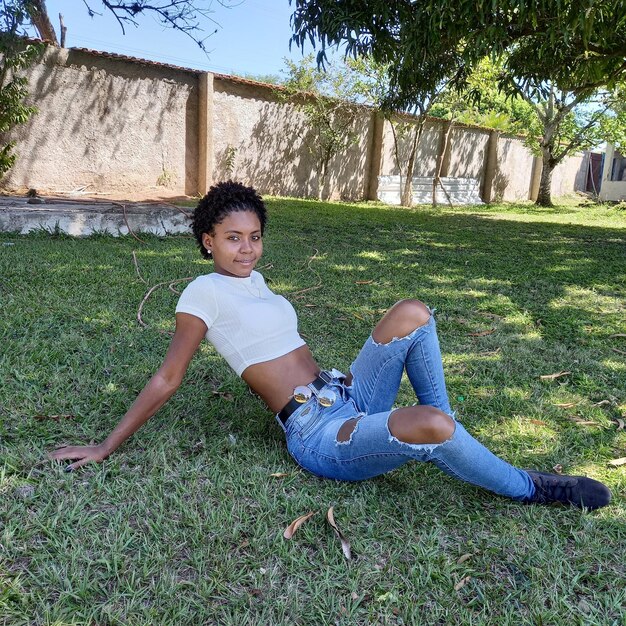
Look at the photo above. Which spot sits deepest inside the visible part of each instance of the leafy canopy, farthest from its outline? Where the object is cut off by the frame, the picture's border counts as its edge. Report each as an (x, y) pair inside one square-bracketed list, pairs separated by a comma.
[(577, 44)]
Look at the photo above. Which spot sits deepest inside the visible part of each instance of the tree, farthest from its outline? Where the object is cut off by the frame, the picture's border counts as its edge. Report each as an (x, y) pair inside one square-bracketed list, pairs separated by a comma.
[(569, 121), (555, 55), (16, 55), (577, 44), (555, 123), (326, 98)]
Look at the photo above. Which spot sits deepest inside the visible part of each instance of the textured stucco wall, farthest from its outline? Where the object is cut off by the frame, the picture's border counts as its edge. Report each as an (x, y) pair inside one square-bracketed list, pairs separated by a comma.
[(515, 167), (110, 124), (611, 190), (427, 150), (568, 176), (467, 152), (121, 125), (272, 148)]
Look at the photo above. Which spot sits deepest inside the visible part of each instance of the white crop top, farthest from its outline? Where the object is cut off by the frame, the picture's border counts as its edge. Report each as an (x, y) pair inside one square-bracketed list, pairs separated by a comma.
[(247, 323)]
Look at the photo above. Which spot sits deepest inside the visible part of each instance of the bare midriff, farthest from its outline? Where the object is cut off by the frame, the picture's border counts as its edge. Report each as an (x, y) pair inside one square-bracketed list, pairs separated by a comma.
[(275, 380)]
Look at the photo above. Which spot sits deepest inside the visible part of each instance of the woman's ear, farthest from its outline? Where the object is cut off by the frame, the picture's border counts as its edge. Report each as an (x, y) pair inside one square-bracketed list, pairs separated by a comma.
[(207, 241)]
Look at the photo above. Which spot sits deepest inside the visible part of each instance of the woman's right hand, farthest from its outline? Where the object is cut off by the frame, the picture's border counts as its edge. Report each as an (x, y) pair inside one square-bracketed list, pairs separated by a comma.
[(81, 455)]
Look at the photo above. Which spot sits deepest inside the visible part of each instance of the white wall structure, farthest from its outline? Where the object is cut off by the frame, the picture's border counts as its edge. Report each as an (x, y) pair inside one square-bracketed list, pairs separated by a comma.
[(613, 186)]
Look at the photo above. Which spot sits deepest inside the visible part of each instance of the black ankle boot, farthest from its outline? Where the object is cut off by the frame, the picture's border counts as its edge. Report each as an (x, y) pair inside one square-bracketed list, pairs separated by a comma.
[(577, 490)]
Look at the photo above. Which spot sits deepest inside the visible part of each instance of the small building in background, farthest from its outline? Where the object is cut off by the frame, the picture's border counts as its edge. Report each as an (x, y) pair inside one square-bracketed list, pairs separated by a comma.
[(613, 187)]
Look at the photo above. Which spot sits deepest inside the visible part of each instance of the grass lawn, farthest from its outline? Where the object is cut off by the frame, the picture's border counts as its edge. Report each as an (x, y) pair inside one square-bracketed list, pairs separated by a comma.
[(184, 523)]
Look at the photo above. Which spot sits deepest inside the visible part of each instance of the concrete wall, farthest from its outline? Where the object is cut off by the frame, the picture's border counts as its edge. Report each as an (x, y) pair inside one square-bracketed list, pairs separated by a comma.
[(274, 149), (467, 152), (427, 150), (569, 175), (122, 125), (108, 125), (515, 165), (611, 190)]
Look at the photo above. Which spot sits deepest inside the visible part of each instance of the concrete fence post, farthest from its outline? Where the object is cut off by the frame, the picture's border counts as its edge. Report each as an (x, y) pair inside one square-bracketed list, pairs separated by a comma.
[(205, 132), (490, 166), (444, 152), (535, 178), (374, 158)]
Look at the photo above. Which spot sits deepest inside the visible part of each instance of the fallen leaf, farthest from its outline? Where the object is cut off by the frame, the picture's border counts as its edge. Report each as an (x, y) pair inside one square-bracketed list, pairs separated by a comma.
[(553, 376), (617, 462), (384, 597), (358, 316), (244, 544), (482, 333), (620, 424), (583, 422), (310, 306), (558, 468), (363, 282), (617, 335), (255, 592), (539, 422), (566, 405), (462, 583), (291, 529), (464, 558), (602, 403), (354, 595), (279, 474), (618, 351), (56, 418), (345, 544)]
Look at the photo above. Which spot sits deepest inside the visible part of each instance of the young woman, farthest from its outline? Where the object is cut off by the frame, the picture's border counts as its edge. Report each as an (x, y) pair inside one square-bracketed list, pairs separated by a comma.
[(337, 426)]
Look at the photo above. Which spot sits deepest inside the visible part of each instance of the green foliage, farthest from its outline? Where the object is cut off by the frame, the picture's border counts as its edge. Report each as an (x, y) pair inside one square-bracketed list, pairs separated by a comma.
[(574, 43), (16, 55), (268, 79), (483, 102), (554, 122)]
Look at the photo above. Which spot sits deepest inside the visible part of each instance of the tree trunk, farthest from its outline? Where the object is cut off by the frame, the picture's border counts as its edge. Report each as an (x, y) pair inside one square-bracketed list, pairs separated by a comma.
[(39, 17), (544, 197), (406, 197)]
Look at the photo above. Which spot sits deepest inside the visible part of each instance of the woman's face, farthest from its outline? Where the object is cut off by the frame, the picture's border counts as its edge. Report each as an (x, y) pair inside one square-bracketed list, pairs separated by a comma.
[(235, 243)]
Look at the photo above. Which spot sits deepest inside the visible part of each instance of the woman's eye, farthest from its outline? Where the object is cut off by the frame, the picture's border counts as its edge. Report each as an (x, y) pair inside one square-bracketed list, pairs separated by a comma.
[(256, 238)]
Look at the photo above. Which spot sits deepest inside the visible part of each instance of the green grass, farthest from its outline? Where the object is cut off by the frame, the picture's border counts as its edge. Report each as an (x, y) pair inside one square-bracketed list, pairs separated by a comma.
[(183, 524)]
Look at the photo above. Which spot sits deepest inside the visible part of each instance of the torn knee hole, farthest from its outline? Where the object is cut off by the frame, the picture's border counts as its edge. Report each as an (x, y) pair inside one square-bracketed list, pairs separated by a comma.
[(347, 428)]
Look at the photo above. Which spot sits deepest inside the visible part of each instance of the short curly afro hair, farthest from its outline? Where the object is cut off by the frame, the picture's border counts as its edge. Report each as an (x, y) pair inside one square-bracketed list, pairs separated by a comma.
[(222, 199)]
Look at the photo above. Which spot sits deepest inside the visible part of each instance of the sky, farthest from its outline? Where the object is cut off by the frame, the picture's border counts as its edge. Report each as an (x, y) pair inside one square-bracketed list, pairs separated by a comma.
[(252, 38)]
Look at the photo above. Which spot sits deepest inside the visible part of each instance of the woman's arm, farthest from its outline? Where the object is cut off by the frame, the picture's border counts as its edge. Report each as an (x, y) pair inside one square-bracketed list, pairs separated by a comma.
[(161, 387)]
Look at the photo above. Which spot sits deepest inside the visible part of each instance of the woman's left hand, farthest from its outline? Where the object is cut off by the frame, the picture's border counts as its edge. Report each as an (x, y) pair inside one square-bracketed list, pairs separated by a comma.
[(80, 454)]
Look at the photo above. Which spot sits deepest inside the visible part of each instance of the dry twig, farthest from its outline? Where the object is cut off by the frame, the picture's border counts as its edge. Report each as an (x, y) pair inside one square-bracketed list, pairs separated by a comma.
[(149, 293), (141, 278), (130, 230)]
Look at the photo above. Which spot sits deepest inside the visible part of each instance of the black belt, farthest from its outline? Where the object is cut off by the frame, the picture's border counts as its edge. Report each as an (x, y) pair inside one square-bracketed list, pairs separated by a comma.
[(322, 379)]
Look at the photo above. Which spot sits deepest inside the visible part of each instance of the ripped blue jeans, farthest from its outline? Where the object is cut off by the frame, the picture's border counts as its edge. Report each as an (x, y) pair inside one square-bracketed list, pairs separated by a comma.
[(371, 449)]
